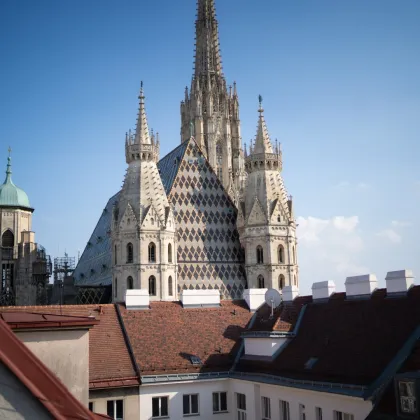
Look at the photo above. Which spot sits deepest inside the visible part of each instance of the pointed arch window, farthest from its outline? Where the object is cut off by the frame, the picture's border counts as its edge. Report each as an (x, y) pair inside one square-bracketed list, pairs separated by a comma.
[(129, 253), (281, 282), (294, 255), (130, 283), (280, 254), (260, 255), (152, 252), (169, 253), (279, 218), (8, 239), (152, 286), (260, 282), (116, 287), (294, 280), (170, 286), (115, 255), (219, 160)]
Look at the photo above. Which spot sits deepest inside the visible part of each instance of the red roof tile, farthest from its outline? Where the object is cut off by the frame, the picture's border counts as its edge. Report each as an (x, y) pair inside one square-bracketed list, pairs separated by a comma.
[(164, 337), (25, 320), (353, 340), (109, 358), (40, 381)]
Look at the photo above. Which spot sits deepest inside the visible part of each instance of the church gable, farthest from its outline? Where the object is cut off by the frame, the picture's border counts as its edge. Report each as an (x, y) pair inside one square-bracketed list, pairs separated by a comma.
[(209, 253), (128, 220), (151, 219), (278, 214), (257, 216)]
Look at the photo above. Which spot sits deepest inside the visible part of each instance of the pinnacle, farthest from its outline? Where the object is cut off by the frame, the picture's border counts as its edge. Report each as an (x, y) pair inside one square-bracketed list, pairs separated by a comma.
[(262, 139), (142, 129)]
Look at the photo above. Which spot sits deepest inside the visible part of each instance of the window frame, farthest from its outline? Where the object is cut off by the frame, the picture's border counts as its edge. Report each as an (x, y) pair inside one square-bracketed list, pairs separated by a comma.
[(339, 415), (170, 253), (170, 286), (318, 413), (115, 408), (280, 254), (241, 412), (152, 285), (284, 410), (260, 254), (261, 282), (265, 408), (130, 253), (130, 283), (190, 414), (152, 252), (160, 407), (219, 402)]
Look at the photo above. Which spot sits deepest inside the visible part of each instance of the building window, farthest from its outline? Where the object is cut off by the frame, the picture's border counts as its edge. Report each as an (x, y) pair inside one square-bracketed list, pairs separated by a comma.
[(160, 407), (190, 404), (219, 402), (266, 408), (260, 255), (280, 254), (115, 409), (281, 282), (170, 286), (8, 239), (130, 283), (284, 410), (338, 415), (90, 406), (260, 282), (129, 253), (279, 218), (169, 253), (241, 406), (294, 255), (318, 413), (152, 286), (294, 280), (152, 252), (220, 173), (302, 413), (406, 390), (116, 287), (115, 254)]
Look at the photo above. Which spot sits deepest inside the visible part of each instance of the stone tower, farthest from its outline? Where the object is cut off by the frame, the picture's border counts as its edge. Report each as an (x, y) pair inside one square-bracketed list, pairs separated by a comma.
[(265, 221), (210, 111), (25, 267), (143, 226)]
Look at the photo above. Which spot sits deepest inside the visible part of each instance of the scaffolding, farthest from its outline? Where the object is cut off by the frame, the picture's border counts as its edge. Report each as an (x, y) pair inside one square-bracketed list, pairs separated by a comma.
[(63, 268)]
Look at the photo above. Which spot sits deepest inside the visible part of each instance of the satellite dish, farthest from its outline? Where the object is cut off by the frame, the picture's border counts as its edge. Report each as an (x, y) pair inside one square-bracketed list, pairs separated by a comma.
[(273, 299)]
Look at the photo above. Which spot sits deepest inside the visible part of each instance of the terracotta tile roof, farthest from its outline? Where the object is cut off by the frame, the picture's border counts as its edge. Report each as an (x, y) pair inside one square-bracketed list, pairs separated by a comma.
[(25, 320), (109, 358), (164, 337), (284, 318), (353, 340), (40, 381)]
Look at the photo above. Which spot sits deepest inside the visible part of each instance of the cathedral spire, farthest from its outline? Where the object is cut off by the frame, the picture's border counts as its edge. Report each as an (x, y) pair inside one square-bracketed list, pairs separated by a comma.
[(207, 48), (142, 129), (262, 140)]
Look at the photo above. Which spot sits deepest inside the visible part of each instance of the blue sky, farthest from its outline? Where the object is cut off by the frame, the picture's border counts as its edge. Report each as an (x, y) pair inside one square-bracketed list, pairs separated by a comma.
[(341, 88)]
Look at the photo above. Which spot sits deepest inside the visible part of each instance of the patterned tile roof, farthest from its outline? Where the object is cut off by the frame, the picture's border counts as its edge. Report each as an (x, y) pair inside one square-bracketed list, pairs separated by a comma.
[(94, 266), (109, 358), (164, 337), (352, 340)]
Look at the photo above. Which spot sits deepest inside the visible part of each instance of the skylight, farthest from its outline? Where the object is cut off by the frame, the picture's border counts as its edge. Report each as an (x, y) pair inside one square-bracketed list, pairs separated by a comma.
[(195, 360), (311, 362)]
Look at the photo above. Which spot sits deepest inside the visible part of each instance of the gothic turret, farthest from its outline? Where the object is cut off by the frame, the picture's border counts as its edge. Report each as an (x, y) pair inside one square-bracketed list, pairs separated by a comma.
[(212, 110), (266, 222), (143, 228)]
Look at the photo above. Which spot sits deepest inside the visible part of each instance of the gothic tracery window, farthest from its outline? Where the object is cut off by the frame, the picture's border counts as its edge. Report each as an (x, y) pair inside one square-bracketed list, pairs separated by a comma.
[(152, 252), (152, 286), (129, 253), (170, 286), (280, 254), (281, 282), (260, 255)]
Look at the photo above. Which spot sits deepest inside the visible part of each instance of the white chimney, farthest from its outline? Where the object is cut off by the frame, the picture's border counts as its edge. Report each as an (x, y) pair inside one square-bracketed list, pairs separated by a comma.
[(361, 285), (137, 299), (254, 298), (200, 298), (399, 281), (290, 293), (323, 289)]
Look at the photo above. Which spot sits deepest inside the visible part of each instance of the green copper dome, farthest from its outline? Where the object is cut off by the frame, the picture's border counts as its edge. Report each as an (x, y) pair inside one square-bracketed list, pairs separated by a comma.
[(10, 195)]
